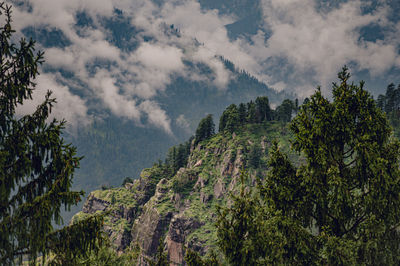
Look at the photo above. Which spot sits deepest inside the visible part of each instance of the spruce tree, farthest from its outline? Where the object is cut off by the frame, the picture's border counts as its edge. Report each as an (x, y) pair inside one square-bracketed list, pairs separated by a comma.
[(251, 112), (237, 227), (36, 165), (390, 98), (230, 118), (284, 111), (205, 129), (263, 111), (345, 198), (242, 114), (339, 207)]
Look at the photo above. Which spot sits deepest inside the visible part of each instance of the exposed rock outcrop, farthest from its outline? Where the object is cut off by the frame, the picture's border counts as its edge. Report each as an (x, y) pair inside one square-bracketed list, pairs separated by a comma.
[(177, 211), (178, 229), (94, 204)]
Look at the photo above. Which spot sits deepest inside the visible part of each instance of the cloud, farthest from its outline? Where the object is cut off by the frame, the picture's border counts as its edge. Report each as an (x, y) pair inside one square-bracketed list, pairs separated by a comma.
[(298, 46), (156, 115), (157, 57), (70, 107), (182, 122), (127, 80), (317, 42)]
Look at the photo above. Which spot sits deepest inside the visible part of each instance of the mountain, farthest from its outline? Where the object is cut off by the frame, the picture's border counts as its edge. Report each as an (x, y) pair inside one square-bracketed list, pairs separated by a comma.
[(114, 148), (178, 208)]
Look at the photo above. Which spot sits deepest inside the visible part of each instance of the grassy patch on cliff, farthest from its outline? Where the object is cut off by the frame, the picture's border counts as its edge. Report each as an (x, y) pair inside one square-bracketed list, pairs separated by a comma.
[(118, 196)]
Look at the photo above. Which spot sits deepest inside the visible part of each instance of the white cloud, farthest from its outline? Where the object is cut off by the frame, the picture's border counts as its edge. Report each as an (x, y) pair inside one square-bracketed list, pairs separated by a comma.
[(105, 85), (70, 107), (182, 122), (156, 115), (297, 48), (157, 57), (122, 79), (318, 42)]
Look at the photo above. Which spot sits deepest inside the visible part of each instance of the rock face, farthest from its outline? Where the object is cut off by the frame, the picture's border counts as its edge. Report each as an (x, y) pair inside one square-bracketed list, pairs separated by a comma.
[(178, 211), (149, 228), (179, 228), (94, 204), (120, 238)]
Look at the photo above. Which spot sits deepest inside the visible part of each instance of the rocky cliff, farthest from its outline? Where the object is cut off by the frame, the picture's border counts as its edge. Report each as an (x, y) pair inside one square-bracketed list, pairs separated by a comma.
[(179, 210)]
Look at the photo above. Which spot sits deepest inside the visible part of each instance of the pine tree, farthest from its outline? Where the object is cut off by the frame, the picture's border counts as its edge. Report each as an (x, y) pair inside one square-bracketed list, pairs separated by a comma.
[(284, 111), (229, 120), (255, 156), (237, 227), (390, 98), (380, 102), (37, 167), (205, 129), (263, 111), (344, 200), (340, 207), (251, 112), (242, 113)]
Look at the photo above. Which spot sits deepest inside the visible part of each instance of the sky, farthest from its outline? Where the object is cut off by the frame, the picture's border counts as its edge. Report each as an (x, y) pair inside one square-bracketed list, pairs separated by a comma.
[(298, 45)]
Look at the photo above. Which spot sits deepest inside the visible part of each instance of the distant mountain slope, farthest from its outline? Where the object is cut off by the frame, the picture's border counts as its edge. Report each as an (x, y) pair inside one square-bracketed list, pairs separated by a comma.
[(180, 209), (114, 148)]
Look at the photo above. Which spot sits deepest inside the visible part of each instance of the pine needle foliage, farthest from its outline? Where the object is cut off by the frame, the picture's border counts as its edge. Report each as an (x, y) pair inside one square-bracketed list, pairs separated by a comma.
[(340, 207), (36, 166)]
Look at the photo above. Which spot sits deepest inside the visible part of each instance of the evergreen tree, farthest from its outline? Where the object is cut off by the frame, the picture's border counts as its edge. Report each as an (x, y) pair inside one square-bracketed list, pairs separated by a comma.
[(390, 98), (340, 207), (345, 199), (237, 227), (192, 258), (222, 122), (380, 102), (251, 112), (37, 167), (284, 111), (255, 156), (205, 129), (296, 105), (161, 258), (231, 118), (263, 111), (242, 113)]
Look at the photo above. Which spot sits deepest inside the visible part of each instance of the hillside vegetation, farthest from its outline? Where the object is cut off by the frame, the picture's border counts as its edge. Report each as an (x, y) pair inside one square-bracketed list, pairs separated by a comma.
[(244, 196), (176, 201)]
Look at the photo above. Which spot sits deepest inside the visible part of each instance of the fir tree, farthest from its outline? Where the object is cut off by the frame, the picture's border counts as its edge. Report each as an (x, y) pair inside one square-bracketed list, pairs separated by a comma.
[(340, 207), (229, 120), (344, 200), (37, 167), (284, 111), (390, 98), (255, 156), (251, 112), (205, 129), (263, 111), (242, 113)]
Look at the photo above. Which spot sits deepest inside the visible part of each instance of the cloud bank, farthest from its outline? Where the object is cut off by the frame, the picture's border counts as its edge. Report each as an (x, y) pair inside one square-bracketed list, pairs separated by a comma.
[(299, 45)]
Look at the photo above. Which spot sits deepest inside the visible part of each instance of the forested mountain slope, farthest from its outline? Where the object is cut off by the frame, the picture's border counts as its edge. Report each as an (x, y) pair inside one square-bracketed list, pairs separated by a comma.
[(114, 149), (175, 202), (207, 195)]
